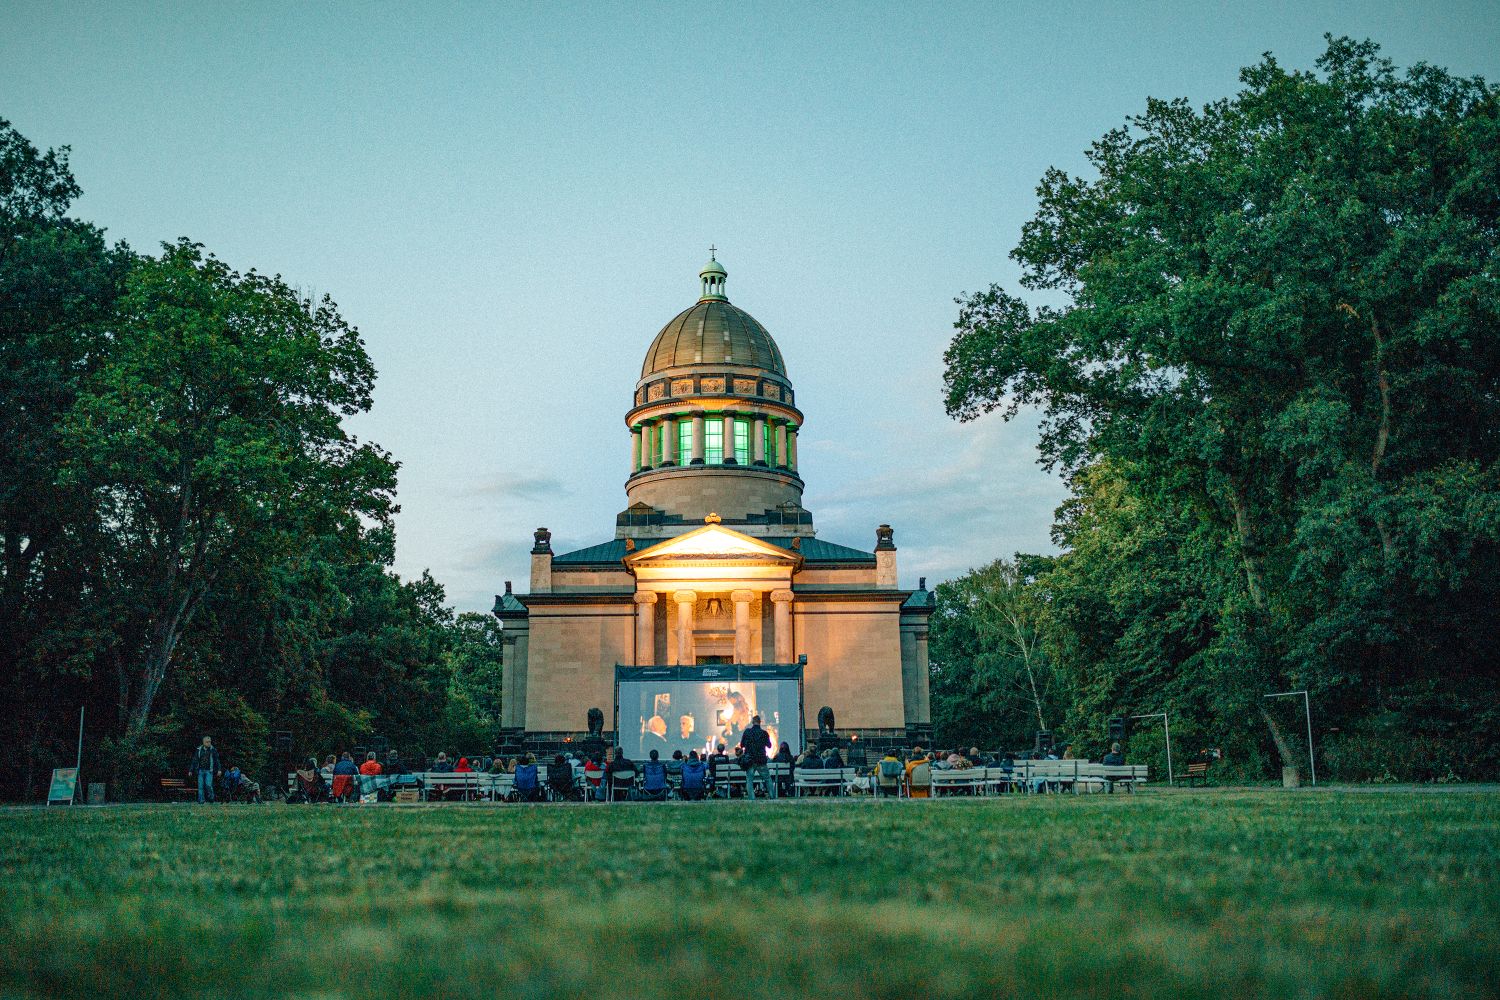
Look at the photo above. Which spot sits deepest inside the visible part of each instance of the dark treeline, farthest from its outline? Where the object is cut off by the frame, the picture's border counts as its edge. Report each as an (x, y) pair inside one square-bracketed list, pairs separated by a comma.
[(191, 540), (1274, 385)]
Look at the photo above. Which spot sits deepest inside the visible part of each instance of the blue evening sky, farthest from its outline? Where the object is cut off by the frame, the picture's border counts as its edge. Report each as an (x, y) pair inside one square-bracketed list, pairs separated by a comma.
[(510, 200)]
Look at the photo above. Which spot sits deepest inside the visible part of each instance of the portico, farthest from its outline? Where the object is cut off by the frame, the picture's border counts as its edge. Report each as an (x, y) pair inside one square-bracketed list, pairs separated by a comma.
[(707, 591)]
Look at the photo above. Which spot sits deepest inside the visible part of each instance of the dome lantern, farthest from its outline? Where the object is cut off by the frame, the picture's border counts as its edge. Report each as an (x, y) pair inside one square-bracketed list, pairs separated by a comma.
[(712, 276)]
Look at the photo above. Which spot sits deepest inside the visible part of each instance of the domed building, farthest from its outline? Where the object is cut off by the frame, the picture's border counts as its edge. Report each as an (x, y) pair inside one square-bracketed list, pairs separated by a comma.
[(715, 599)]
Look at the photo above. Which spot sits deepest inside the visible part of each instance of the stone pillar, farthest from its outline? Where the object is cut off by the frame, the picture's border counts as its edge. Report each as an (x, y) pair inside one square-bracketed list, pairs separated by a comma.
[(742, 599), (758, 441), (885, 556), (781, 446), (635, 450), (645, 627), (781, 623), (729, 439), (541, 562), (924, 701), (685, 600), (669, 441), (791, 448), (698, 438)]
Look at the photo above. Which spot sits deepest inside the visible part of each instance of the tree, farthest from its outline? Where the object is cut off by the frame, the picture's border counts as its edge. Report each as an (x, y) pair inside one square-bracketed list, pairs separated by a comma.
[(213, 440), (58, 285), (1280, 319), (990, 676)]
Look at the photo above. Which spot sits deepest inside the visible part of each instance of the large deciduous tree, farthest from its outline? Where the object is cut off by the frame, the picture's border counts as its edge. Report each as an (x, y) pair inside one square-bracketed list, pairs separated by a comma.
[(212, 441), (992, 682), (58, 285), (1280, 318)]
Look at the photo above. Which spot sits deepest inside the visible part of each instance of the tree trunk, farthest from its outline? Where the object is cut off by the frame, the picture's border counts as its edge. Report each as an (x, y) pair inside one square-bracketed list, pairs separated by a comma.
[(1249, 543), (1282, 749)]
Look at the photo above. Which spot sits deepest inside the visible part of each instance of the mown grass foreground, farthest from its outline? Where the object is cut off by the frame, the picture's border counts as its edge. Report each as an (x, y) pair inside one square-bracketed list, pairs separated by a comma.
[(1213, 893)]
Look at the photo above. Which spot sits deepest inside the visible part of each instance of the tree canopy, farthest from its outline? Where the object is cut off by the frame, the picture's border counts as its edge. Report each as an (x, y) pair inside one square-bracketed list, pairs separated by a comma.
[(192, 540), (1274, 381)]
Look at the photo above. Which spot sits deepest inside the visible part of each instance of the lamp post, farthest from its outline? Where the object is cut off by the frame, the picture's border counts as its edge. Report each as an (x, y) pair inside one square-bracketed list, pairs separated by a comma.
[(1307, 710), (1168, 727)]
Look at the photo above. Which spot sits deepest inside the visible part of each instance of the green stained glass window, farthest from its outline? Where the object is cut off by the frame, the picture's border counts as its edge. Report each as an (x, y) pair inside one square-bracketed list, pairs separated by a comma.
[(713, 441), (684, 441), (658, 446), (742, 442), (770, 443)]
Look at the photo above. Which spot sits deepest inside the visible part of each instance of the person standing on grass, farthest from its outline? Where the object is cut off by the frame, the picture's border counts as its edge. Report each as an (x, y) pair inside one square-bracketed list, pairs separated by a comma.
[(755, 743), (206, 766)]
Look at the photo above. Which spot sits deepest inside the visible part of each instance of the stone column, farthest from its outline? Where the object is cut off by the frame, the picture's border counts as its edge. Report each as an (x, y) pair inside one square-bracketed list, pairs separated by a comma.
[(742, 599), (758, 441), (698, 438), (645, 627), (791, 448), (685, 600), (781, 601), (885, 556), (729, 439), (781, 445), (635, 450), (669, 441)]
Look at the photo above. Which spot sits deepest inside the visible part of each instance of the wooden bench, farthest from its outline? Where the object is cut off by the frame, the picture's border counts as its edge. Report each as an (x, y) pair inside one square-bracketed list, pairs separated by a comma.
[(1198, 769), (179, 786)]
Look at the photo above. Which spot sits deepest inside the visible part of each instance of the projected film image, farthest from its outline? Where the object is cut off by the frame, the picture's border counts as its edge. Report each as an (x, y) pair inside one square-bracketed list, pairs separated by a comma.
[(668, 715)]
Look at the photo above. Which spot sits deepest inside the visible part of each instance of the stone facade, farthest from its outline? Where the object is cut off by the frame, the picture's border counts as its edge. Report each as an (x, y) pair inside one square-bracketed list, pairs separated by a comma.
[(715, 559)]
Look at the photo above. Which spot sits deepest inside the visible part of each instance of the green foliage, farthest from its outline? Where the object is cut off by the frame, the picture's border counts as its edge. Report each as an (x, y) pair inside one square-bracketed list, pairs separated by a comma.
[(1383, 893), (991, 683), (1275, 382), (192, 541)]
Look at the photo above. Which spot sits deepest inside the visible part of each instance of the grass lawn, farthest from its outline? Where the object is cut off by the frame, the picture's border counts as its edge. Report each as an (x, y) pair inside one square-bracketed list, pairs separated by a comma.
[(1214, 893)]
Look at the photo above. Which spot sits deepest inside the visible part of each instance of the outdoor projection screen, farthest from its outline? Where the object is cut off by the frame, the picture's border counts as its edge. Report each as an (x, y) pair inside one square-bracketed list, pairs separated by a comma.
[(693, 708)]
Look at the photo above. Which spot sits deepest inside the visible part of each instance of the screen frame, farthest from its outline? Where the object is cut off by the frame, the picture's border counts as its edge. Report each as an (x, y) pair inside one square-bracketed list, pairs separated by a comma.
[(727, 672)]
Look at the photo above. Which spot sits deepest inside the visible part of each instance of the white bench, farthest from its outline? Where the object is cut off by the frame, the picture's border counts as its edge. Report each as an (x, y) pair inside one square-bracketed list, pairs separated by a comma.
[(839, 779), (971, 779)]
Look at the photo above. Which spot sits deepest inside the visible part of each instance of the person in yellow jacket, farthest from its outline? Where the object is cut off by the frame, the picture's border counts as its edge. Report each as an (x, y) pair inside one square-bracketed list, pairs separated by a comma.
[(920, 759)]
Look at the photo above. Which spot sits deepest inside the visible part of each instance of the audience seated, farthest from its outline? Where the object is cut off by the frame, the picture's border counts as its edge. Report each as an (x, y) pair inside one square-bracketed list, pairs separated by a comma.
[(785, 756), (694, 777), (921, 788), (527, 786), (310, 784), (653, 778), (442, 765), (621, 775), (593, 773), (889, 773), (1114, 758), (345, 778), (560, 778), (371, 766), (239, 788)]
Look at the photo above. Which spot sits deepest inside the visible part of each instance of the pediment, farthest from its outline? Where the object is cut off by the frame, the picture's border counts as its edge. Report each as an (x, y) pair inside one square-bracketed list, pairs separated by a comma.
[(712, 543)]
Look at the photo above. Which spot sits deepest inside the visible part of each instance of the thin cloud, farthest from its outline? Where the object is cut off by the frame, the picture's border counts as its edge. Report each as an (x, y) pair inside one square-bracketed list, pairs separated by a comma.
[(521, 488)]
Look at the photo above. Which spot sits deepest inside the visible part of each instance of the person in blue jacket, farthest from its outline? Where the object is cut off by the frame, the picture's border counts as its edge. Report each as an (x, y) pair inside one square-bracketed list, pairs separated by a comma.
[(694, 776)]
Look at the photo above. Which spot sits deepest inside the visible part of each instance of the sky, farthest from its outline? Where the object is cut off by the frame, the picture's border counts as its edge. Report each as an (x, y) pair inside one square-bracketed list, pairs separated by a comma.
[(509, 201)]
